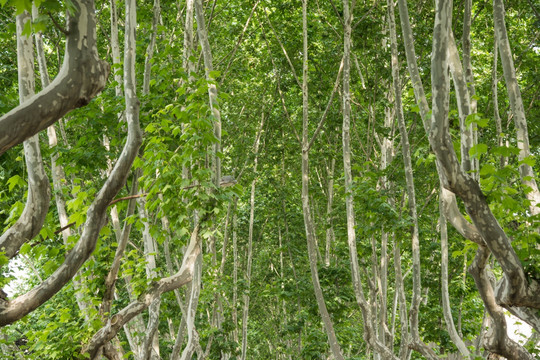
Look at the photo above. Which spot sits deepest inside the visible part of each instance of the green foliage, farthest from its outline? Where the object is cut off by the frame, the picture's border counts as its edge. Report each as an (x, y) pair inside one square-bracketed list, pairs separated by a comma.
[(179, 137)]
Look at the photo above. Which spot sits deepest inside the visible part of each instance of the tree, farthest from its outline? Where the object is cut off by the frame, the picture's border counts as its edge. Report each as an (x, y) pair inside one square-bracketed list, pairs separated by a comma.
[(123, 239)]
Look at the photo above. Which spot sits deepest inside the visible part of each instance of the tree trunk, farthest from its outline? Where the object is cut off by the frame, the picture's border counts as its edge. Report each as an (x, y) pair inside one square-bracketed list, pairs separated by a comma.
[(516, 104), (37, 202), (246, 297), (416, 342), (445, 297), (308, 221)]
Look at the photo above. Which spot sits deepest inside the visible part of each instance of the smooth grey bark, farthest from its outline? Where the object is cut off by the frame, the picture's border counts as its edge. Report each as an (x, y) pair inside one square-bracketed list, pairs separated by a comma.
[(150, 343), (38, 199), (330, 236), (516, 104), (445, 297), (246, 297), (212, 89), (514, 288), (234, 315), (115, 47), (82, 76), (150, 349), (24, 304), (151, 47), (122, 237), (368, 314), (191, 311), (180, 278), (495, 97), (469, 78), (308, 220), (112, 350), (464, 104), (452, 212), (416, 342), (404, 350), (496, 339)]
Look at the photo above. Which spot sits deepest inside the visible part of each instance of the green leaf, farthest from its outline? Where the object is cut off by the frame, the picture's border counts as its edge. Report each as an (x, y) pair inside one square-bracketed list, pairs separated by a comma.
[(529, 160), (15, 180), (214, 74), (21, 6), (478, 150), (25, 249), (476, 119), (505, 151), (488, 169)]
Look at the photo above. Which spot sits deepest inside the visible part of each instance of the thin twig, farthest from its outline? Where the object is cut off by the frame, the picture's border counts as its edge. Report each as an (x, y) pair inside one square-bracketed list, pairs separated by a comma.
[(57, 25)]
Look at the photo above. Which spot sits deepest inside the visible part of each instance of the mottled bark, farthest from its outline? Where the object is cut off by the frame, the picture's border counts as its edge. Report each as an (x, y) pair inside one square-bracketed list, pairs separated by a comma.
[(246, 297), (182, 277), (445, 297), (212, 89), (81, 77), (308, 220), (115, 47), (464, 104), (37, 202), (416, 342), (513, 289), (496, 338), (452, 212), (516, 104), (95, 220)]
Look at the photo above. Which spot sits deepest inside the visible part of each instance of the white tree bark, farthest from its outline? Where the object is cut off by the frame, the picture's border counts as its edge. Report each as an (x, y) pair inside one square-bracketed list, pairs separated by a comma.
[(416, 342), (516, 104), (308, 221), (246, 297), (330, 236), (180, 278), (514, 288), (24, 304), (367, 313), (82, 76), (212, 89), (37, 202), (464, 104), (445, 297), (115, 47)]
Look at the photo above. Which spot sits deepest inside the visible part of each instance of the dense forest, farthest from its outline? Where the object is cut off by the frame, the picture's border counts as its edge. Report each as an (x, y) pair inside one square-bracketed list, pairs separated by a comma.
[(269, 179)]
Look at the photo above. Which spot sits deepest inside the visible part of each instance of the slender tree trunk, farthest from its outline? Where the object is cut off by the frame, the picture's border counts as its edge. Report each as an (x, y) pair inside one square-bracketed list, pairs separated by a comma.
[(37, 202), (447, 310), (115, 47), (469, 78), (464, 105), (516, 104), (212, 90), (330, 237), (246, 297), (235, 273), (514, 287), (495, 98), (308, 221), (417, 343), (367, 313)]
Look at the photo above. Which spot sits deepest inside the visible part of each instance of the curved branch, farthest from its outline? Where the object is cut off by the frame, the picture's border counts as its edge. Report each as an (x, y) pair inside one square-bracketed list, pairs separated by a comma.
[(496, 339), (82, 76), (117, 321), (37, 202), (83, 24)]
